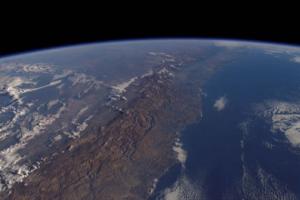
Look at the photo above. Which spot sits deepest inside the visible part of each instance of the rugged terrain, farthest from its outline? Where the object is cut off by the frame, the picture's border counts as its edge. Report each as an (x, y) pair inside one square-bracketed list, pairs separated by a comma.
[(122, 159), (106, 141)]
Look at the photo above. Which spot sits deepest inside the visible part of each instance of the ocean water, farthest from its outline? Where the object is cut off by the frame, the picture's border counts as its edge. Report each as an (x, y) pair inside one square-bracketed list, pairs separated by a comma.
[(213, 145)]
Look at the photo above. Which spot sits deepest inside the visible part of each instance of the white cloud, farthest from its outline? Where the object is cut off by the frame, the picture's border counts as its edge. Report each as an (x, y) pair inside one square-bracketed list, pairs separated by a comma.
[(154, 184), (37, 68), (53, 83), (13, 87), (220, 103), (183, 189), (284, 117), (230, 44), (165, 71), (296, 59), (52, 103), (14, 167), (181, 153), (123, 86), (268, 48), (57, 138), (149, 73)]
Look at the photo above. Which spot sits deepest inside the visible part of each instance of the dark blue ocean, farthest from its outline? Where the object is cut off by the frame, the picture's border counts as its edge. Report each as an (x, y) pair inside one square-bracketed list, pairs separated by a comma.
[(213, 144)]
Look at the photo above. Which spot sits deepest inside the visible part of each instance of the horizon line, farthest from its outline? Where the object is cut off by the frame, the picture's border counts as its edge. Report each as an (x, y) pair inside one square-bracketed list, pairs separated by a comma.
[(137, 40)]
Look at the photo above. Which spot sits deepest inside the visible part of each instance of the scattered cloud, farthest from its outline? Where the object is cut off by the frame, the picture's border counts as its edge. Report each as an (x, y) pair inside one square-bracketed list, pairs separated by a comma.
[(230, 44), (284, 117), (296, 59), (183, 189), (268, 48), (181, 153), (52, 103), (57, 138), (220, 103), (121, 88)]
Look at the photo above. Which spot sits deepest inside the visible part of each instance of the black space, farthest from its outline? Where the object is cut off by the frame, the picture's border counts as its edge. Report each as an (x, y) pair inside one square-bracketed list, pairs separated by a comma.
[(36, 32)]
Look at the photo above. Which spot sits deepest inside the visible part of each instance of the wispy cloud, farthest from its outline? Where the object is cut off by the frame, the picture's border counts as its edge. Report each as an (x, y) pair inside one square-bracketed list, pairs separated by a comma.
[(268, 48), (230, 44), (181, 153), (183, 189), (123, 86), (296, 59), (220, 103), (285, 118)]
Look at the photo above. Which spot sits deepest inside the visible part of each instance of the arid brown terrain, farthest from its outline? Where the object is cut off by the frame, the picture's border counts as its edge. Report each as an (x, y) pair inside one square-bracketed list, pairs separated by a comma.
[(130, 142), (122, 159)]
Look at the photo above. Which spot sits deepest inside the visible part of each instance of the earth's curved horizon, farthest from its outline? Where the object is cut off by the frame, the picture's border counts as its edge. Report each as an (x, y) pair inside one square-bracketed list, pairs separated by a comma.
[(151, 119), (150, 39)]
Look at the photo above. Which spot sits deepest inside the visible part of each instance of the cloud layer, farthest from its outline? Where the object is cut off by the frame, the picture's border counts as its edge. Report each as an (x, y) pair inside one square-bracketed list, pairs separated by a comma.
[(296, 59), (183, 189), (284, 117)]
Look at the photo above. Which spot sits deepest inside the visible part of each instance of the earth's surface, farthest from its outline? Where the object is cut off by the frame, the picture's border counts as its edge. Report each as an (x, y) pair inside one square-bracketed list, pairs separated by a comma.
[(153, 119)]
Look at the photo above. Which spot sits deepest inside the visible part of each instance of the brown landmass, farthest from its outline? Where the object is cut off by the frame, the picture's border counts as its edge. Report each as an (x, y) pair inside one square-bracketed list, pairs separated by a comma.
[(122, 159)]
